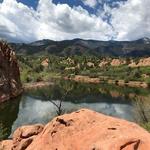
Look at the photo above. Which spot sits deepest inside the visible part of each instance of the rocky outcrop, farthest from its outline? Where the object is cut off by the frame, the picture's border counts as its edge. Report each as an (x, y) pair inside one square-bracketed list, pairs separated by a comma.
[(117, 62), (10, 84), (143, 62), (45, 62), (81, 130), (103, 63)]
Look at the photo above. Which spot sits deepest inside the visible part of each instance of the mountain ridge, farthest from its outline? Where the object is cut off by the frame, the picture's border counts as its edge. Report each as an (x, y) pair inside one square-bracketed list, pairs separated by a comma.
[(137, 48)]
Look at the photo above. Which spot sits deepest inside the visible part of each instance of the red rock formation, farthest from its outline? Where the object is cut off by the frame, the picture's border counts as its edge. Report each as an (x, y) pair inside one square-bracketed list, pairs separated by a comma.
[(143, 62), (45, 62), (117, 62), (103, 63), (81, 130), (10, 85)]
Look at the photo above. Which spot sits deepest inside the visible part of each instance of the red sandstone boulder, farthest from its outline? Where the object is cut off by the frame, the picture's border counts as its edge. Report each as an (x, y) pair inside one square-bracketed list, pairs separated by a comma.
[(6, 145), (24, 136), (82, 130)]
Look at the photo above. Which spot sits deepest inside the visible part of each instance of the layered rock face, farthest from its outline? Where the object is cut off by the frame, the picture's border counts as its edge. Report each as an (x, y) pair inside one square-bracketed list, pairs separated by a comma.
[(10, 84), (81, 130)]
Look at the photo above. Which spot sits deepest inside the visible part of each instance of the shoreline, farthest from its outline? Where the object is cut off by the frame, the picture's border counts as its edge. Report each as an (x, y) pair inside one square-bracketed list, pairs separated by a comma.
[(87, 79), (35, 85)]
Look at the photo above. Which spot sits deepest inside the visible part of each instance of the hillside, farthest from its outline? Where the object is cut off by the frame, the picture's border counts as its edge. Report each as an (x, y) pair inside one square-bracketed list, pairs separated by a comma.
[(136, 48)]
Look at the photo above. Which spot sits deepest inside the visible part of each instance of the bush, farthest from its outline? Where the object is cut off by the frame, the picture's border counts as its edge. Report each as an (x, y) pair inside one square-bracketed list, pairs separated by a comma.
[(146, 126)]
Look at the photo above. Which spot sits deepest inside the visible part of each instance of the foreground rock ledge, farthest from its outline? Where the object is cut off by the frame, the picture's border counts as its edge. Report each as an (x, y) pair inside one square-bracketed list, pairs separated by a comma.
[(81, 130)]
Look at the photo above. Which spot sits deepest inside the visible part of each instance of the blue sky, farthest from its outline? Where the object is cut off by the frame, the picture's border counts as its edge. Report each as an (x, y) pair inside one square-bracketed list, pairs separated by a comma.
[(30, 3), (71, 3), (30, 20)]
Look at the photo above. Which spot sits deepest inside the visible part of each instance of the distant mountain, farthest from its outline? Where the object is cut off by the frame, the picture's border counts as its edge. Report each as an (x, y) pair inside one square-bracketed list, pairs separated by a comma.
[(136, 48)]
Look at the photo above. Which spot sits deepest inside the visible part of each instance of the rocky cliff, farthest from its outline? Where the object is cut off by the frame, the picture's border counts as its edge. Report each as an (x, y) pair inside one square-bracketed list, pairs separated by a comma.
[(10, 84), (81, 130)]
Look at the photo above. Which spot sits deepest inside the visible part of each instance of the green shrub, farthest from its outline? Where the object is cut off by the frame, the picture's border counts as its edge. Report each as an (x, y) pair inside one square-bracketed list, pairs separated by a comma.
[(146, 126)]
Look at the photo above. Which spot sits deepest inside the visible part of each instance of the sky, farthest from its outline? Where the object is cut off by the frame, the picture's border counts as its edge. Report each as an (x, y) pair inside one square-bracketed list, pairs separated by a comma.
[(31, 20)]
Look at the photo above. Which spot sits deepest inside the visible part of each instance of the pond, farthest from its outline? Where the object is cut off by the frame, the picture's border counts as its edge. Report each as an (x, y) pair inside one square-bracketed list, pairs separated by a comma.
[(35, 106)]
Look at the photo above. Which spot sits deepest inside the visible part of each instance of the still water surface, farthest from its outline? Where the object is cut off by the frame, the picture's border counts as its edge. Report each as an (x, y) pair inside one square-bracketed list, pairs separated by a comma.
[(34, 106)]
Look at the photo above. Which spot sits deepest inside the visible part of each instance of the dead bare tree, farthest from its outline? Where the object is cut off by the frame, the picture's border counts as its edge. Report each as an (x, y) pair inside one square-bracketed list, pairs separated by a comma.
[(59, 106), (59, 109)]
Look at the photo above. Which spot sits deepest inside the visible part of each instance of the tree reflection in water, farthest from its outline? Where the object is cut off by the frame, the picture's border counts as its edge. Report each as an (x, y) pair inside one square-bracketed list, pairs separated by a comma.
[(62, 94), (8, 114)]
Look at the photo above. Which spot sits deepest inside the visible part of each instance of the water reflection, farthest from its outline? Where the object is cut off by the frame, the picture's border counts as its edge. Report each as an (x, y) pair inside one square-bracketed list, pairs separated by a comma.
[(35, 106), (8, 114), (33, 111)]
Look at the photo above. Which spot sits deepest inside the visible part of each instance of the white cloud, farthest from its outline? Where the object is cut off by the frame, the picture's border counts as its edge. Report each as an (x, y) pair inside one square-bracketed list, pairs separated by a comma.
[(131, 20), (56, 22), (18, 21), (90, 3)]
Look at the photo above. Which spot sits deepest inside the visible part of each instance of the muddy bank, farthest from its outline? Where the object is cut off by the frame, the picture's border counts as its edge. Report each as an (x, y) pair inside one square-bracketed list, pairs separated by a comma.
[(87, 79), (35, 85)]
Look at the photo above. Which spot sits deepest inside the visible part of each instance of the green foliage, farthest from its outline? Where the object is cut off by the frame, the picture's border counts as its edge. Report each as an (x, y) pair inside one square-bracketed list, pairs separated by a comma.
[(146, 126), (32, 69)]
